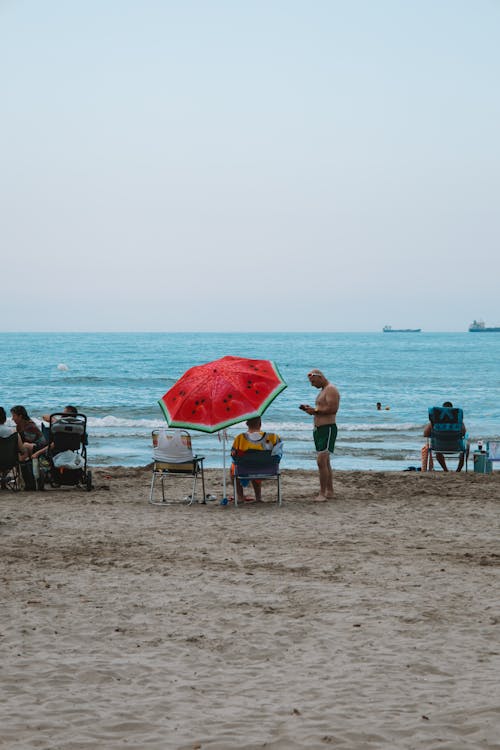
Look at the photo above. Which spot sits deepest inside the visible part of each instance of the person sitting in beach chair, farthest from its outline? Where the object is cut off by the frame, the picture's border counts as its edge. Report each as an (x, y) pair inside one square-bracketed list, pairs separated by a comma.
[(255, 452), (447, 435), (32, 438)]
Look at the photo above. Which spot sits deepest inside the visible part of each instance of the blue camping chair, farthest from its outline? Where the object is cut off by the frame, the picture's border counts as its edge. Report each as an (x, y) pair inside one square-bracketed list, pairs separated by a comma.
[(447, 432), (257, 464)]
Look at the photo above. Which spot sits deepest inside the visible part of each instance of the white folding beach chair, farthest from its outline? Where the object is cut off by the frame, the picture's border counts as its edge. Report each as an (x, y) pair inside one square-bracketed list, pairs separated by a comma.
[(173, 457)]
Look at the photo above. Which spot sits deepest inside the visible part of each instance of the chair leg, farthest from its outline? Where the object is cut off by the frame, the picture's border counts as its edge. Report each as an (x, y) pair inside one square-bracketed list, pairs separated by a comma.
[(235, 492), (15, 485), (203, 482), (162, 476), (193, 491)]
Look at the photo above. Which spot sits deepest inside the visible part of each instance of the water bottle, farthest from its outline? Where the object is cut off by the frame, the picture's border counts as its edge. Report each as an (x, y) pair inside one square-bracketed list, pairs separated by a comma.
[(35, 467)]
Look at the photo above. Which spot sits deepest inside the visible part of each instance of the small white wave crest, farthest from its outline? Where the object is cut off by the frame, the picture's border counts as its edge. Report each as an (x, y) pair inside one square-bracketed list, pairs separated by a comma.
[(392, 427), (110, 421)]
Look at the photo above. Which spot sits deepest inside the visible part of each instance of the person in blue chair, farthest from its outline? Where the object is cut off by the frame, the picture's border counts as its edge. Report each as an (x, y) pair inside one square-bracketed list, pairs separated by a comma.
[(254, 439), (440, 458)]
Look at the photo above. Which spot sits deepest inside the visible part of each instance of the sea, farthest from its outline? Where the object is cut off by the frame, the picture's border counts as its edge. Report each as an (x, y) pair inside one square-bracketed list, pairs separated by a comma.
[(116, 379)]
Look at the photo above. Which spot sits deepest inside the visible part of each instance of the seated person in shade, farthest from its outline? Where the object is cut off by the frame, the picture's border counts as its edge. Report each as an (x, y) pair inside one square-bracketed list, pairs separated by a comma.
[(31, 436), (254, 439), (439, 456)]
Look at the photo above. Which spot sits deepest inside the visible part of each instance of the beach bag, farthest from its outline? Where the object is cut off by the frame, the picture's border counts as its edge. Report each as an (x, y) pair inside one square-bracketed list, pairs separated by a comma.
[(172, 446), (68, 460)]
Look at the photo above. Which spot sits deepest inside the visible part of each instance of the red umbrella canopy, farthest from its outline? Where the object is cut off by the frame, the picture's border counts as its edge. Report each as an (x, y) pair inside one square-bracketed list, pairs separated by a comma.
[(218, 394)]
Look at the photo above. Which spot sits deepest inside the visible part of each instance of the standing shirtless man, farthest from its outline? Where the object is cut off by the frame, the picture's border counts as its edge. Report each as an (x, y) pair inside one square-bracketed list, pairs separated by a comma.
[(325, 429)]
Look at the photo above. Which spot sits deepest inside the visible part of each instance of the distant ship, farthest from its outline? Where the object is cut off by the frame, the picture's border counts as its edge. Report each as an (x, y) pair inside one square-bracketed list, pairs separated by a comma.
[(478, 326), (390, 329)]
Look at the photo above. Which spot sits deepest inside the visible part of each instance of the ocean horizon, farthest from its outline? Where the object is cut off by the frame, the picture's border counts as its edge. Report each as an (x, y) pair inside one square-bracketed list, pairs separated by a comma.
[(117, 378)]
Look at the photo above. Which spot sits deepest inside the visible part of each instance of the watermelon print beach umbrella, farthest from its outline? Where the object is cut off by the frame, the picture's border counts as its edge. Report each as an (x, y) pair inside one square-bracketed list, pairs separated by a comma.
[(218, 394)]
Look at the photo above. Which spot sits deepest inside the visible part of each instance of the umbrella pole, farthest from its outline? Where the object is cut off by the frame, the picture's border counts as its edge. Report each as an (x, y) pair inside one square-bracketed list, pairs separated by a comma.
[(224, 495), (224, 500)]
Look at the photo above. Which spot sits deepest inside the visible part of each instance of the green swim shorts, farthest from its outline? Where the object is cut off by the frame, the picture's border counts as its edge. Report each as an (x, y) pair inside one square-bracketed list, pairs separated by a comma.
[(324, 437)]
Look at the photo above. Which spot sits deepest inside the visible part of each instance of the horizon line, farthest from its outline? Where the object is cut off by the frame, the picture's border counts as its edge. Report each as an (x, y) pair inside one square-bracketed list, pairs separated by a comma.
[(233, 331)]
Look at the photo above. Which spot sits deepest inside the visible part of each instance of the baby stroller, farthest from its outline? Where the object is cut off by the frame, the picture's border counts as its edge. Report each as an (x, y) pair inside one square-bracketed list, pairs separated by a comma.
[(65, 462)]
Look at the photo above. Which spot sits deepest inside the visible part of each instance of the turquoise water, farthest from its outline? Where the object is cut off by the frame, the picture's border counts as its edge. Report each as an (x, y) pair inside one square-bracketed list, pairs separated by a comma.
[(117, 379)]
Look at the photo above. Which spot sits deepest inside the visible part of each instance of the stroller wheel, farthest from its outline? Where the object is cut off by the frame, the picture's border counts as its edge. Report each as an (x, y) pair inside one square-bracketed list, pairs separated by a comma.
[(88, 481)]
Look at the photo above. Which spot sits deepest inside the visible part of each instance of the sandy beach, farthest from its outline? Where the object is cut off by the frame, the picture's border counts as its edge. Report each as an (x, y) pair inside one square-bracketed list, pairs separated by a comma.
[(372, 621)]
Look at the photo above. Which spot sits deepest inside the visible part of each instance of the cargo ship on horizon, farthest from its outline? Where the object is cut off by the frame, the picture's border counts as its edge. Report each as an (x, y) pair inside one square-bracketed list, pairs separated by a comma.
[(390, 329), (478, 326)]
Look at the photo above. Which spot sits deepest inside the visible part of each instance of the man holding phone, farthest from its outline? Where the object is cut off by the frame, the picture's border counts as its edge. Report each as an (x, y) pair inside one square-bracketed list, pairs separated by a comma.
[(325, 429)]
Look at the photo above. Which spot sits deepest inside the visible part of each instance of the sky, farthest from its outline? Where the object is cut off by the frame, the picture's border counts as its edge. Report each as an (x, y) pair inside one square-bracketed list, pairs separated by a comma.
[(279, 165)]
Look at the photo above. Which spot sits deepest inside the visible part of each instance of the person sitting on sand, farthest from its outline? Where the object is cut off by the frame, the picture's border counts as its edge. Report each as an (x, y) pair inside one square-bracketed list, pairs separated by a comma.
[(439, 456), (31, 436), (254, 439)]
